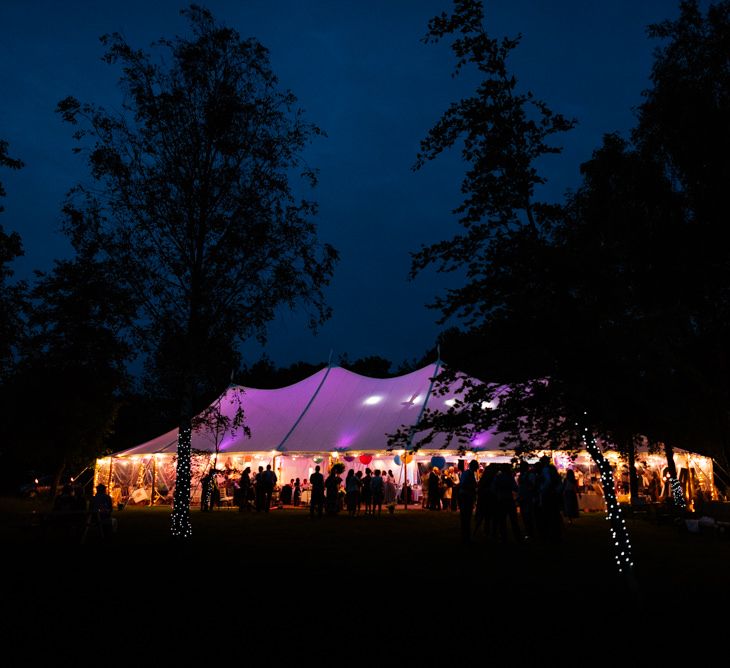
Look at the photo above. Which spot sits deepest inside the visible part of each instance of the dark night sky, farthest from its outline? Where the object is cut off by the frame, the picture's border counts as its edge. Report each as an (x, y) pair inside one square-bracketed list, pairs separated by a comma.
[(362, 74)]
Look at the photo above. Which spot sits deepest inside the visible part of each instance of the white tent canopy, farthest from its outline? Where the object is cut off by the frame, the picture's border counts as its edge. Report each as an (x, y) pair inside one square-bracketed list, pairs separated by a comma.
[(332, 410)]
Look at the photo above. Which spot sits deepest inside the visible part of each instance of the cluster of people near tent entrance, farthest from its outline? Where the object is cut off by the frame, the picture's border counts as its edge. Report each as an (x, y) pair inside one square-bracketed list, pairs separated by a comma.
[(493, 495), (360, 493)]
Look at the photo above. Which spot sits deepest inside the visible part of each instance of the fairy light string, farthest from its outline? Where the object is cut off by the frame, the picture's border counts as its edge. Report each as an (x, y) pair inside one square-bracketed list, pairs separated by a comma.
[(619, 532), (677, 493), (180, 522)]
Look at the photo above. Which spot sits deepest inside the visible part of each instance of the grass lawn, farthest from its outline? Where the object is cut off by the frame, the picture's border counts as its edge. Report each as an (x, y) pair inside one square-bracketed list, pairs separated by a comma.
[(403, 552)]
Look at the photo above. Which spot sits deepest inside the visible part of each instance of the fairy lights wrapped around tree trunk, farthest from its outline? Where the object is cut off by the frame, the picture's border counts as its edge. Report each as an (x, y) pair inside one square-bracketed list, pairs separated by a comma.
[(619, 532), (180, 521)]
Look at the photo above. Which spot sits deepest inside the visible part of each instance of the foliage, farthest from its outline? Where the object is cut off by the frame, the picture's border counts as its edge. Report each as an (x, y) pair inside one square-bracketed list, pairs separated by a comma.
[(11, 294), (503, 133), (197, 204), (611, 313), (192, 200), (64, 393)]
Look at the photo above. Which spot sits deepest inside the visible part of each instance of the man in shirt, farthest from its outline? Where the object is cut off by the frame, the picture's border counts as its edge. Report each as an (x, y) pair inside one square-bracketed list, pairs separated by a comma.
[(467, 496), (317, 500)]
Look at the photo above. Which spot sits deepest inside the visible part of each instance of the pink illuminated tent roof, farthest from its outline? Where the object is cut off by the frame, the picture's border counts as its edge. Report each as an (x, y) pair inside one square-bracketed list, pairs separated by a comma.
[(334, 409)]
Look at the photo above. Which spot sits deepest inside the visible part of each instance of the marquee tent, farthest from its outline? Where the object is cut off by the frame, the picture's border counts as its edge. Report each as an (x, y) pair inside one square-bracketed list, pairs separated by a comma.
[(333, 415)]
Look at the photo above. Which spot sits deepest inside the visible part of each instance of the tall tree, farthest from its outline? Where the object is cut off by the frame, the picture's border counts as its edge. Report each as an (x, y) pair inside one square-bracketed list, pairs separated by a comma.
[(683, 124), (197, 204), (66, 388), (11, 295), (516, 284)]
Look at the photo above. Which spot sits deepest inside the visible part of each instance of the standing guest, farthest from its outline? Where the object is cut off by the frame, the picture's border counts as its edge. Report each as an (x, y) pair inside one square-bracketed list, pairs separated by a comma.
[(551, 498), (505, 490), (467, 497), (424, 478), (269, 479), (102, 505), (297, 492), (570, 497), (332, 487), (454, 475), (206, 493), (447, 486), (352, 489), (317, 501), (358, 475), (244, 485), (378, 490), (526, 498), (389, 493), (259, 488), (366, 492), (434, 495), (486, 512)]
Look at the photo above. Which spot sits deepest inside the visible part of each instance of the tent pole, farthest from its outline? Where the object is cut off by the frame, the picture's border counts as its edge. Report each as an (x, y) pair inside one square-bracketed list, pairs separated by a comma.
[(405, 483), (154, 480), (109, 481)]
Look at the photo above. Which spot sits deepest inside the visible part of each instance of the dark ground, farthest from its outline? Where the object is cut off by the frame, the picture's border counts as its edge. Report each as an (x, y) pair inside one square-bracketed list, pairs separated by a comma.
[(406, 554)]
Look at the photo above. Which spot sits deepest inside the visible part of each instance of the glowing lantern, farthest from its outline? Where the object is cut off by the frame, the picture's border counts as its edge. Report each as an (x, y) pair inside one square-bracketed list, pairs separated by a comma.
[(366, 459)]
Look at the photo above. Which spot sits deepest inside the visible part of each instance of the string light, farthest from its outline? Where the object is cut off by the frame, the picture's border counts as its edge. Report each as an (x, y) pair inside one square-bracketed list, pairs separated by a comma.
[(180, 520), (619, 532), (677, 493)]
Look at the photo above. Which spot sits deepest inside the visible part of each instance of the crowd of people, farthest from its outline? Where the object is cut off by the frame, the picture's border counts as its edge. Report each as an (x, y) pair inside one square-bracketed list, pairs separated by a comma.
[(541, 495), (495, 499)]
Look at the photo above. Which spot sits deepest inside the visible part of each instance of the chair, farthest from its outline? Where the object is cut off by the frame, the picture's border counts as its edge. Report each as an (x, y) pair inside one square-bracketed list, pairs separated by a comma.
[(225, 498)]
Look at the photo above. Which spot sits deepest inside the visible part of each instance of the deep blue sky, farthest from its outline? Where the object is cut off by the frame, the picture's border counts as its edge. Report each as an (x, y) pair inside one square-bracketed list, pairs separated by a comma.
[(362, 74)]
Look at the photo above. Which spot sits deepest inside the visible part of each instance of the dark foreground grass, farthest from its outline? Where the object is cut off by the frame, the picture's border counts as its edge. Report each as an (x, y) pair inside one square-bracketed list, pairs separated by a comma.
[(405, 552)]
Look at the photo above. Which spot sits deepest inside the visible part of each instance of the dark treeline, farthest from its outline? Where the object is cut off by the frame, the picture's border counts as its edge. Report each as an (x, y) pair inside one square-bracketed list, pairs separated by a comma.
[(608, 311), (605, 315)]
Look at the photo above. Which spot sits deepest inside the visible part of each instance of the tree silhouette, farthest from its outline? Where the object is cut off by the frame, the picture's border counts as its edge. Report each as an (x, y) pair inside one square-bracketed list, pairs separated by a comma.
[(193, 198)]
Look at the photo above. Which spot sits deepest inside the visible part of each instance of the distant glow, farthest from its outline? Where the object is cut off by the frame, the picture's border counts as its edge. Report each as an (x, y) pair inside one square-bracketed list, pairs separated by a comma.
[(412, 400), (450, 402), (371, 401)]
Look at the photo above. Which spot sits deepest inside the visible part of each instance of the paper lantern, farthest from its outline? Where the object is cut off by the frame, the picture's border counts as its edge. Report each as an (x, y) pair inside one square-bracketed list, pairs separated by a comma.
[(438, 462), (407, 459), (349, 458), (396, 460), (317, 460), (366, 459)]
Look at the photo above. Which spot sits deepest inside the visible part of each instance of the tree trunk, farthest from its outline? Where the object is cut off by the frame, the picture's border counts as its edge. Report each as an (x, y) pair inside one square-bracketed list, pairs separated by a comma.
[(619, 532), (180, 525), (675, 488), (633, 481)]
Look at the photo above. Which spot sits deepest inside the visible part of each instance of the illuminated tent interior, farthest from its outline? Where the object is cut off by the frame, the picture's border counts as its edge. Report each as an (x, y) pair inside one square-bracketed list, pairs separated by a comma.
[(336, 415)]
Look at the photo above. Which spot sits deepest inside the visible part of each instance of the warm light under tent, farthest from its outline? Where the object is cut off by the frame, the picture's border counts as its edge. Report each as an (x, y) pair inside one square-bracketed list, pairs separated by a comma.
[(334, 415)]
